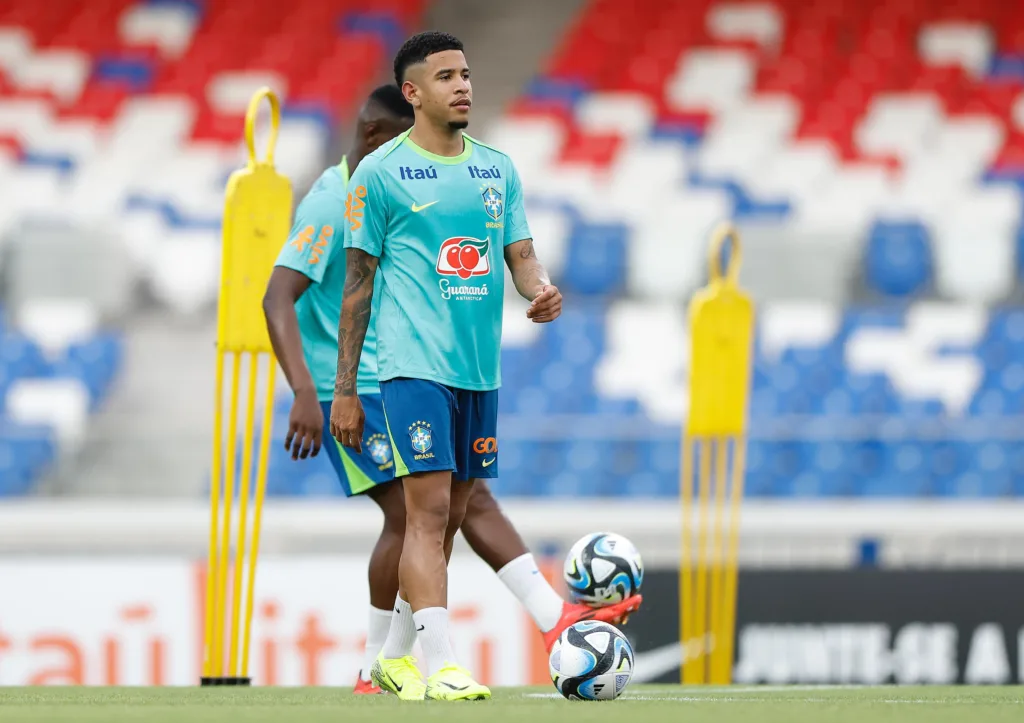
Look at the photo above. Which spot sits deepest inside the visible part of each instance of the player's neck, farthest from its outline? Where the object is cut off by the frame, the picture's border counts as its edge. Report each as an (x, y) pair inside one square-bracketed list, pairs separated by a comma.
[(354, 156), (446, 142)]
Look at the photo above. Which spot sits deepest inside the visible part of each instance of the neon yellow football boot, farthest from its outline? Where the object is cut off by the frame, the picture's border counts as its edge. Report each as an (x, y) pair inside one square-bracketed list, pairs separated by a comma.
[(454, 683), (399, 676)]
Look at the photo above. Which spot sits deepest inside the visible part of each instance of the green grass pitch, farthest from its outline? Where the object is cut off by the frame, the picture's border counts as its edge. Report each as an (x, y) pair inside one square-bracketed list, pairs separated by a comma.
[(649, 703)]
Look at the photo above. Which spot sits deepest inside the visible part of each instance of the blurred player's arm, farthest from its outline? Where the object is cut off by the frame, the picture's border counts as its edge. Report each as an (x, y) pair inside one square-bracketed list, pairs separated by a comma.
[(301, 263), (366, 214), (285, 288), (528, 273)]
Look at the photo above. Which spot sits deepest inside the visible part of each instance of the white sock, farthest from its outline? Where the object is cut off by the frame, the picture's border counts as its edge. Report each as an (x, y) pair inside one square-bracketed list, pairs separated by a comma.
[(432, 629), (402, 633), (376, 634), (524, 580)]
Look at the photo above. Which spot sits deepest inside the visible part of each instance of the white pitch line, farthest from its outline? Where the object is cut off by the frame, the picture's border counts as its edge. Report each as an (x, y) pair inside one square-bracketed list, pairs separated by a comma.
[(739, 694)]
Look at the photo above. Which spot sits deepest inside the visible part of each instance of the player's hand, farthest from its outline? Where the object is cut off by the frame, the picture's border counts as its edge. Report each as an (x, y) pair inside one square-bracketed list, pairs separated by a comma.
[(347, 421), (305, 426), (546, 305)]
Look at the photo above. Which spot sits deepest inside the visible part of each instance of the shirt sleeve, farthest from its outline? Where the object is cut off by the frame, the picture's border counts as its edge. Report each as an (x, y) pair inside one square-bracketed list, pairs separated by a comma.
[(366, 209), (516, 227), (318, 223)]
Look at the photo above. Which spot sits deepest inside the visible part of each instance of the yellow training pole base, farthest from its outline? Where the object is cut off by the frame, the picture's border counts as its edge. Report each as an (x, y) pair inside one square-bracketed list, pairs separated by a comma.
[(721, 324), (224, 681)]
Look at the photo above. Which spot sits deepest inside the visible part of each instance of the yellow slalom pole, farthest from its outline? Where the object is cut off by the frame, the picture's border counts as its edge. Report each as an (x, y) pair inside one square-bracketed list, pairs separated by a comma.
[(686, 607), (245, 482), (228, 503), (216, 482), (719, 484), (261, 488), (732, 561), (702, 555)]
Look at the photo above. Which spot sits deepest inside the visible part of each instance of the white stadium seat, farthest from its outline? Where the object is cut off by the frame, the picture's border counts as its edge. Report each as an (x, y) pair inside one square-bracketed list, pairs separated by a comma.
[(143, 231), (762, 22), (15, 49), (666, 259), (711, 79), (168, 27), (56, 324), (797, 325), (849, 201), (974, 245), (60, 72), (27, 119), (531, 143), (653, 338), (230, 92), (301, 145), (657, 167), (968, 45), (60, 403), (153, 125), (899, 124), (80, 139), (796, 171), (38, 191), (628, 114), (184, 270)]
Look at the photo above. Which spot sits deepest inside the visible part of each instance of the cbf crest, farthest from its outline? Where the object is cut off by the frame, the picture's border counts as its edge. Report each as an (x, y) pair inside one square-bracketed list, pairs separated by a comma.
[(494, 203), (380, 450), (421, 438)]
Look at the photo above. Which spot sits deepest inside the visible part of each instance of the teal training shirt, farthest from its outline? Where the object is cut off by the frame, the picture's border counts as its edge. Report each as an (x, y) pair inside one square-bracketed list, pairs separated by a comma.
[(314, 248), (439, 226)]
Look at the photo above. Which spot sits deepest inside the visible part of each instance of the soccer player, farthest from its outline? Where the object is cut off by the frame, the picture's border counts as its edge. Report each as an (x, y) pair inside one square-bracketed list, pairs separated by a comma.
[(430, 217), (302, 306)]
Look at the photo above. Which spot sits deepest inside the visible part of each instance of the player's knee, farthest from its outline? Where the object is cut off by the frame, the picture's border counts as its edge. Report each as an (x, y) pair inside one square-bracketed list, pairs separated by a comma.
[(391, 500), (428, 515), (481, 502)]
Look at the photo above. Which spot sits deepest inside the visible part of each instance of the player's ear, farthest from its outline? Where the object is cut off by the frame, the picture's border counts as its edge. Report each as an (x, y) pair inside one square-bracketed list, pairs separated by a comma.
[(371, 129), (412, 94)]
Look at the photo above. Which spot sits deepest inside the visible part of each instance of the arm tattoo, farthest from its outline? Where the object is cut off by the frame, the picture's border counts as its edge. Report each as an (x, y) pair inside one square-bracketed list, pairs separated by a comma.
[(360, 268), (528, 273)]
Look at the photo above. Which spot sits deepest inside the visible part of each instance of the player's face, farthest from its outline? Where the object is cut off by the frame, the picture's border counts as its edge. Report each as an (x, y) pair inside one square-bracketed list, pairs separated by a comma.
[(441, 88)]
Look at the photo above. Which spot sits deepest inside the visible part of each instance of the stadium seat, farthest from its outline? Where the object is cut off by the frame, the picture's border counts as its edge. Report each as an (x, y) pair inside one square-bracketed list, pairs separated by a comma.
[(902, 157)]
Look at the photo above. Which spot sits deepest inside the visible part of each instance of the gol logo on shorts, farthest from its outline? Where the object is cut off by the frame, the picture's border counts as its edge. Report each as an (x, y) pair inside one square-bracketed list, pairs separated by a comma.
[(485, 445)]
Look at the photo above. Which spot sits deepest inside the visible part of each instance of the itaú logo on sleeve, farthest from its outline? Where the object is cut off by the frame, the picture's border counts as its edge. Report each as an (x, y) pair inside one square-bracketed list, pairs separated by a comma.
[(464, 257)]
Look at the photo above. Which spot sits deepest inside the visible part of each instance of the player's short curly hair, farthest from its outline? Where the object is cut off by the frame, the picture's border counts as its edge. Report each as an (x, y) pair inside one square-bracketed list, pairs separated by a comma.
[(390, 98), (418, 47)]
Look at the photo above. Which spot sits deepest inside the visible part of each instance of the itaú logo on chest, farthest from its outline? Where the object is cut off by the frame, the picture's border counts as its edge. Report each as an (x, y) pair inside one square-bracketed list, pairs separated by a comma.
[(464, 256)]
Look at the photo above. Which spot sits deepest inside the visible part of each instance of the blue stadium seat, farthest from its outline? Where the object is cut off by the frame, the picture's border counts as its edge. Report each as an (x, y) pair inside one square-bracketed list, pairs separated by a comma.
[(133, 73), (555, 90), (759, 479), (21, 357), (898, 258), (596, 262), (382, 24)]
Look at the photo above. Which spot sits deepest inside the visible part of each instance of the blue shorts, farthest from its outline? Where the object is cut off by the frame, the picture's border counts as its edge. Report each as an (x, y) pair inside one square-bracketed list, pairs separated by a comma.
[(435, 428), (359, 473)]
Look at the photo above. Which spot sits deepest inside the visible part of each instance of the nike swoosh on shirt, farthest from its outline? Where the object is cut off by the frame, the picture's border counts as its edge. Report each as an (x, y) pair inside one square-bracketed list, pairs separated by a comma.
[(489, 462), (416, 209)]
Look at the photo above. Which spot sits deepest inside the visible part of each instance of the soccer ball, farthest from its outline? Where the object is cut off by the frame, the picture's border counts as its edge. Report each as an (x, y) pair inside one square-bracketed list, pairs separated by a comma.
[(603, 569), (591, 661)]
